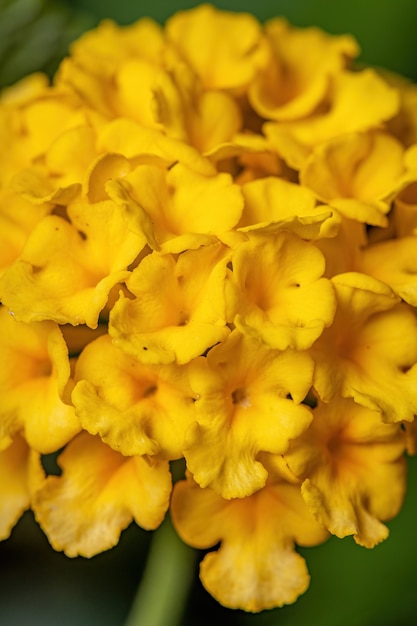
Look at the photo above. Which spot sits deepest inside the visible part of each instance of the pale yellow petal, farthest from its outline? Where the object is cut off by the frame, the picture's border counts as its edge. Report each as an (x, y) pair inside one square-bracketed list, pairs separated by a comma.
[(99, 493)]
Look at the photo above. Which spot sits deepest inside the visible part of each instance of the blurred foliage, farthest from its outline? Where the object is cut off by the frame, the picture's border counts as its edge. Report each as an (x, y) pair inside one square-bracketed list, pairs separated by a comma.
[(35, 34)]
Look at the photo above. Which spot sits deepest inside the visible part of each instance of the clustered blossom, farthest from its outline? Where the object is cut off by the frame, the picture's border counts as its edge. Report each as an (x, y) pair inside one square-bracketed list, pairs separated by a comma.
[(208, 249)]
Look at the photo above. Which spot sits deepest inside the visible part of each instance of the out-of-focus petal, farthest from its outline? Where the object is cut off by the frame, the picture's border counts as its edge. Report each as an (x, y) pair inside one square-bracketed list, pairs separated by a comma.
[(225, 49), (20, 474), (353, 469), (370, 351), (357, 174), (359, 101), (293, 83), (394, 262)]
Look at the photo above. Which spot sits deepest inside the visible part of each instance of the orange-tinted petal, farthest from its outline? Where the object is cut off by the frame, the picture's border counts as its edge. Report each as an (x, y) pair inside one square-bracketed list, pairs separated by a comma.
[(353, 469), (99, 493), (293, 83), (135, 408), (256, 566), (34, 385), (370, 351), (276, 291)]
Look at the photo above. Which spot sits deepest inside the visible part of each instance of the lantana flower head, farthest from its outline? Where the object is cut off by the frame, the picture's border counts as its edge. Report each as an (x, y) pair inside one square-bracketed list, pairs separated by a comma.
[(208, 260)]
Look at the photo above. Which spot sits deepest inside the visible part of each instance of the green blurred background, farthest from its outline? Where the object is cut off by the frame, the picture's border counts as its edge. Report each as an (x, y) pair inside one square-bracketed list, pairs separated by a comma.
[(351, 586)]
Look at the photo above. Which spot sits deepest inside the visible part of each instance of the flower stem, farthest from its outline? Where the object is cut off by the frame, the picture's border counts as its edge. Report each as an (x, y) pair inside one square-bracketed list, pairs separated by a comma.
[(162, 594)]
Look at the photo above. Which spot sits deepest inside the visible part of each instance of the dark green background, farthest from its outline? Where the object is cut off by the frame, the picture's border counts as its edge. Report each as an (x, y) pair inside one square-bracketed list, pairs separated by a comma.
[(351, 586)]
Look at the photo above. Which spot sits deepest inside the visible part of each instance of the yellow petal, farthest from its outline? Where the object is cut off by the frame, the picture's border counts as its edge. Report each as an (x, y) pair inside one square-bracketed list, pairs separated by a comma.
[(359, 101), (137, 409), (182, 202), (404, 124), (217, 121), (24, 89), (256, 566), (39, 188), (101, 49), (395, 263), (18, 218), (353, 469), (183, 317), (148, 94), (405, 211), (271, 199), (47, 117), (293, 83), (92, 72), (67, 270), (70, 155), (130, 139), (370, 351), (275, 291), (109, 246), (247, 403), (20, 473), (342, 249), (34, 385), (99, 493), (357, 174), (225, 49), (274, 203)]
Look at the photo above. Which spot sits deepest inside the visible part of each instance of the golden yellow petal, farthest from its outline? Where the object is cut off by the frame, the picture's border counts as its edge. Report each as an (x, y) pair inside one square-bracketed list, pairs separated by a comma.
[(137, 409), (99, 493), (181, 319), (353, 470), (247, 402), (357, 173), (293, 83), (225, 49), (275, 291), (35, 385), (370, 351), (256, 566), (15, 492), (365, 93), (395, 263)]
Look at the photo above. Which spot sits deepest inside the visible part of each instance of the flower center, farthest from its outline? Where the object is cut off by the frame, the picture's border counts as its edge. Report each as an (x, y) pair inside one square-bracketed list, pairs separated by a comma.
[(240, 397), (150, 391)]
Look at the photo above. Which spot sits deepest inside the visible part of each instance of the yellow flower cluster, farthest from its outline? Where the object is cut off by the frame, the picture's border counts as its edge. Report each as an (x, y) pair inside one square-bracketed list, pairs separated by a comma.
[(208, 248)]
